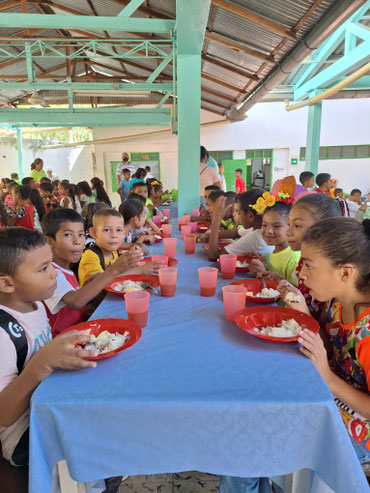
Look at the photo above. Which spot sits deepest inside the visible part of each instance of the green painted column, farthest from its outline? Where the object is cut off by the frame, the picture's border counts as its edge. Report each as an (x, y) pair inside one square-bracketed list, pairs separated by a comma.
[(20, 153), (313, 136), (191, 17), (188, 91)]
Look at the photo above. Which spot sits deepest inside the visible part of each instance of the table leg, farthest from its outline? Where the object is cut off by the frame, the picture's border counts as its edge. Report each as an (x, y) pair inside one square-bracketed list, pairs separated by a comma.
[(67, 484)]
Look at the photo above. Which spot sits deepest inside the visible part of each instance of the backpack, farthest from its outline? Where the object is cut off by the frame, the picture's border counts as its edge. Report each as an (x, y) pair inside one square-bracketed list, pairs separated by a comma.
[(95, 249), (17, 335)]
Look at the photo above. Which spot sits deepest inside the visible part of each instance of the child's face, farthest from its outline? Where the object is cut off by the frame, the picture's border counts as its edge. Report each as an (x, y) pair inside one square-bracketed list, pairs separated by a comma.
[(61, 189), (126, 176), (310, 182), (69, 242), (109, 233), (221, 169), (356, 197), (339, 194), (240, 217), (274, 227), (44, 194), (139, 221), (237, 174), (143, 191), (206, 195), (300, 219), (35, 277), (16, 198), (319, 275), (32, 183), (327, 184)]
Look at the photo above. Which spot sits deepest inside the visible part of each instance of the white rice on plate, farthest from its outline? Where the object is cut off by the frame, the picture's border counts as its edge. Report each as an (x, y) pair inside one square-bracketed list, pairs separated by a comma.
[(239, 263), (286, 328), (268, 293), (127, 286)]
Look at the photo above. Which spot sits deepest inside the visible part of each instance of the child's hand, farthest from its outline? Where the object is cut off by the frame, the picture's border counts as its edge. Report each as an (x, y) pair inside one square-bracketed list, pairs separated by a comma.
[(269, 275), (61, 353), (149, 238), (292, 296), (256, 266), (127, 261), (220, 209), (143, 248), (313, 347), (149, 269), (203, 237)]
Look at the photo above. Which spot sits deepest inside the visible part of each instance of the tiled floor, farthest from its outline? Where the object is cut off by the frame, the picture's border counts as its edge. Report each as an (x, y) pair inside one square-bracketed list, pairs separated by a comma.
[(185, 482)]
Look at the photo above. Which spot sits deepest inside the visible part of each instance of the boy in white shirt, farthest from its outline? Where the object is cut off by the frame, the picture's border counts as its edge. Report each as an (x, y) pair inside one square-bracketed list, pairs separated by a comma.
[(27, 277)]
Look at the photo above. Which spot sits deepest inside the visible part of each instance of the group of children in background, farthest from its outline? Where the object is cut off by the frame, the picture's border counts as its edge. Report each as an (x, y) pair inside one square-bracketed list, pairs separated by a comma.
[(303, 240)]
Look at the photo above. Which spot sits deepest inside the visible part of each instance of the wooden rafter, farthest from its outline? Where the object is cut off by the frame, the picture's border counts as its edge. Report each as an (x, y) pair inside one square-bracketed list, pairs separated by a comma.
[(231, 68), (255, 18), (210, 27)]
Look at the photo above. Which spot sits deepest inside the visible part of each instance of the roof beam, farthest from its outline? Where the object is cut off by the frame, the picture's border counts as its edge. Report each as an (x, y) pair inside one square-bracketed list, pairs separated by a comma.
[(239, 47), (98, 117), (127, 11), (218, 95), (85, 86), (255, 18), (100, 23), (223, 84), (232, 68)]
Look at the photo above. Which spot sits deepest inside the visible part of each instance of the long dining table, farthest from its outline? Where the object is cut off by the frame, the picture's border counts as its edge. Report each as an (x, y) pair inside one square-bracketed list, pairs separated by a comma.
[(194, 393)]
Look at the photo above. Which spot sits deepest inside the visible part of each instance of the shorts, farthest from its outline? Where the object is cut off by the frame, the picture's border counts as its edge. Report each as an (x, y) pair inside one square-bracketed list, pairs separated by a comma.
[(21, 455)]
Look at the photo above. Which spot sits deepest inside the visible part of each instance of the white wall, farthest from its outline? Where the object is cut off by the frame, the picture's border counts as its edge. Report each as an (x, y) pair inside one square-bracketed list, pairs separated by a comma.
[(344, 122), (72, 163)]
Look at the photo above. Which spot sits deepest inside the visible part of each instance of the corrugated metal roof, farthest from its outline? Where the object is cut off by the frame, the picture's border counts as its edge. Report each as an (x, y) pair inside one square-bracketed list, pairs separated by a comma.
[(287, 13)]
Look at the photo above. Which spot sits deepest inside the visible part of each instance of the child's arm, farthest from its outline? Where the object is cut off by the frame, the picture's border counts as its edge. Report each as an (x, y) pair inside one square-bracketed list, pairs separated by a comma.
[(220, 210), (152, 226), (78, 299), (313, 348), (59, 353)]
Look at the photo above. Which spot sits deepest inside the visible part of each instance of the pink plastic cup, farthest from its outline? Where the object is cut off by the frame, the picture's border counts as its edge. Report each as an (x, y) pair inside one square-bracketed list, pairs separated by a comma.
[(137, 307), (185, 230), (195, 212), (207, 280), (193, 227), (170, 247), (186, 217), (228, 265), (166, 212), (190, 242), (157, 220), (234, 300), (182, 222), (167, 281), (167, 230), (162, 259)]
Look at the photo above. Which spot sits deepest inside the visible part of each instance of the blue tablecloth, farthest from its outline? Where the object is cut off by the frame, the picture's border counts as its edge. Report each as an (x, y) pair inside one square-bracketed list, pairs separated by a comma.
[(195, 393)]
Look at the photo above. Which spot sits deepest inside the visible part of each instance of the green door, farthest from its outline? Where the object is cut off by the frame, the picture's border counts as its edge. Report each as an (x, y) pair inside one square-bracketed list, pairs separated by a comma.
[(230, 165)]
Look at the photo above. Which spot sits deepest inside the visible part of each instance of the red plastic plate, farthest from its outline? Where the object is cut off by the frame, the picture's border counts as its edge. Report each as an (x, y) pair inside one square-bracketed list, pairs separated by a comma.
[(255, 286), (171, 261), (154, 234), (203, 226), (112, 325), (221, 244), (261, 316), (152, 280)]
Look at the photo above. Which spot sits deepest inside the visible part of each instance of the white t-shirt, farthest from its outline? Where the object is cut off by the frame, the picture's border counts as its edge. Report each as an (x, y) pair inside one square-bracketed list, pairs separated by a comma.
[(208, 176), (122, 166), (38, 333), (251, 241), (353, 207), (223, 182), (55, 303)]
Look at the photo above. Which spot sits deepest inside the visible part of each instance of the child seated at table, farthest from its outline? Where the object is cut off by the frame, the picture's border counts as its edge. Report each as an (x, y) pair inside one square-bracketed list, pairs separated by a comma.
[(133, 212), (65, 233), (337, 272), (27, 353), (142, 194), (283, 260), (250, 236), (87, 214), (308, 210)]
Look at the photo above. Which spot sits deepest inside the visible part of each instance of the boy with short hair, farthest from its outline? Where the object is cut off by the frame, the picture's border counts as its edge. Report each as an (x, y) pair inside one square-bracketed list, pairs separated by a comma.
[(338, 192), (124, 186), (27, 277), (222, 176), (15, 177), (239, 182), (65, 233), (323, 182), (355, 203), (307, 179)]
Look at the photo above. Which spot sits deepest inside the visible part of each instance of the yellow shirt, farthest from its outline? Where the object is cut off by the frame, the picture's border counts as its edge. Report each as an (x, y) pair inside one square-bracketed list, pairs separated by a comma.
[(37, 175), (90, 265), (285, 263)]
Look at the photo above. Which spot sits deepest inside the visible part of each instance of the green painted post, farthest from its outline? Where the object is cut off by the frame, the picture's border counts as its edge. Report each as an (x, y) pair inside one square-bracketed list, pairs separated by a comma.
[(20, 153), (313, 136), (191, 17), (188, 90)]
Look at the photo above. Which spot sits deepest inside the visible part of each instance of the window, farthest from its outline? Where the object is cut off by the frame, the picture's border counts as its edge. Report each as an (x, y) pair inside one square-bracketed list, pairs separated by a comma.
[(339, 152), (221, 155)]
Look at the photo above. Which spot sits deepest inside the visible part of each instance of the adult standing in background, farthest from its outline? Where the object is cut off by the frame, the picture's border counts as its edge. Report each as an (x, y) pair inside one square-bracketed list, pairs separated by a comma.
[(208, 176), (51, 175), (36, 170), (125, 163), (211, 162)]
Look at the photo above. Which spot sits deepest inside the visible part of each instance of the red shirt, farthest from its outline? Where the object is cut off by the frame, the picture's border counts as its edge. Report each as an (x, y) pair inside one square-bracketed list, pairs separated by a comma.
[(240, 183), (66, 316), (28, 221), (317, 190)]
